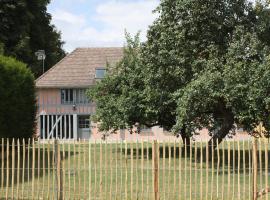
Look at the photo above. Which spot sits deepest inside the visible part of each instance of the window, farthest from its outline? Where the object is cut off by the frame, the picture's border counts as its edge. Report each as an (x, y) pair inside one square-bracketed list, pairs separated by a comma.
[(100, 73), (84, 121), (74, 96), (66, 96)]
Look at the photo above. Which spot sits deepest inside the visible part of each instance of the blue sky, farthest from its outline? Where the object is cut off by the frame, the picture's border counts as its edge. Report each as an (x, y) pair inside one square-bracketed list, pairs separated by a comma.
[(88, 23)]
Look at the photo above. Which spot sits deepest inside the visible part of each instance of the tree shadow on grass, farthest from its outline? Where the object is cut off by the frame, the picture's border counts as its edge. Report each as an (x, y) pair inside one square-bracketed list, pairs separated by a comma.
[(229, 157), (25, 164)]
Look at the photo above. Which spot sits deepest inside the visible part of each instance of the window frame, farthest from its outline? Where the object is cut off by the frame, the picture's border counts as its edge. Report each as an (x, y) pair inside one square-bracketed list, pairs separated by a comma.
[(70, 96), (100, 68), (86, 126)]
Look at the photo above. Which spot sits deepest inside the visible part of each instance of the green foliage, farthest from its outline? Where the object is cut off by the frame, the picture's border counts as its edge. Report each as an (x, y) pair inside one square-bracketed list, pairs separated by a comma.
[(17, 99), (25, 28), (119, 95)]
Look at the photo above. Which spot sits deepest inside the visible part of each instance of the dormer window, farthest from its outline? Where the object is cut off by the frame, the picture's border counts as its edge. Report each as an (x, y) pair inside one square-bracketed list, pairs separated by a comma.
[(100, 73)]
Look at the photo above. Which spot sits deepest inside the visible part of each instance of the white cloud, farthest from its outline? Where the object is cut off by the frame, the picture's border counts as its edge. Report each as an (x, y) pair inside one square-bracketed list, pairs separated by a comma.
[(62, 16), (108, 23)]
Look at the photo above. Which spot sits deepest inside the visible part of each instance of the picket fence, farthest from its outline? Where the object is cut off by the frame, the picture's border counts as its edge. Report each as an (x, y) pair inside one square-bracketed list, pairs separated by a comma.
[(133, 170)]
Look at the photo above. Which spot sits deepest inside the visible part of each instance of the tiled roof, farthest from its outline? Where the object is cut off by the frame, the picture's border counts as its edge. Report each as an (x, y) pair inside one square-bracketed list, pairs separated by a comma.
[(78, 68)]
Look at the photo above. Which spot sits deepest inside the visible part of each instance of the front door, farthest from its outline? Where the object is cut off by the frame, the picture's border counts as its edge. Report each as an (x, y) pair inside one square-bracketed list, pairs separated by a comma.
[(84, 130)]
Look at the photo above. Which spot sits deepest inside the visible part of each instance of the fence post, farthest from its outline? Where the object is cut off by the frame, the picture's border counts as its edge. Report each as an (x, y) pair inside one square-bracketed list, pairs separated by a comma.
[(58, 177), (255, 168), (156, 176)]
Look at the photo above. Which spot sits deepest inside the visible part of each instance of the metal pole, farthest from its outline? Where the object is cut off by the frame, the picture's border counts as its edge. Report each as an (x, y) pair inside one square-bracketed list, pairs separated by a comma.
[(43, 63)]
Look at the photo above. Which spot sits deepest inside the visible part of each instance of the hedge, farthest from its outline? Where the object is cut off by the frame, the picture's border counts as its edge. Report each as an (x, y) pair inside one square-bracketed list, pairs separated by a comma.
[(17, 99)]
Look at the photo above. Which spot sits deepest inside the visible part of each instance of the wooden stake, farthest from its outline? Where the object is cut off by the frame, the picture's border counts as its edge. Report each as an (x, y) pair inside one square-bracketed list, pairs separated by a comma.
[(33, 168), (28, 166), (190, 171), (122, 169), (156, 175), (195, 169), (63, 173), (174, 170), (106, 170), (69, 176), (229, 170), (142, 171), (126, 178), (18, 168), (201, 171), (136, 165), (185, 170), (49, 166), (74, 169), (101, 172), (111, 169), (223, 170), (249, 172), (95, 168), (260, 162), (238, 170), (43, 169), (2, 167), (255, 169), (131, 178), (244, 171), (84, 170), (218, 164), (79, 169), (23, 165), (163, 174), (116, 169), (266, 165), (13, 168), (7, 184), (212, 169), (233, 188), (147, 170), (207, 171), (180, 171), (90, 171)]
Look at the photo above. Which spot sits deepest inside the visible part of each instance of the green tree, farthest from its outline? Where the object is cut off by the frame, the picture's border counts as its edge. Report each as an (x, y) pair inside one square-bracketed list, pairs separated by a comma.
[(185, 56), (25, 28), (119, 95), (17, 99)]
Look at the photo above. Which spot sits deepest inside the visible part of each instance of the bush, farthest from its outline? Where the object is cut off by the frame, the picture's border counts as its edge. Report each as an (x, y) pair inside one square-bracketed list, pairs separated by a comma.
[(17, 99)]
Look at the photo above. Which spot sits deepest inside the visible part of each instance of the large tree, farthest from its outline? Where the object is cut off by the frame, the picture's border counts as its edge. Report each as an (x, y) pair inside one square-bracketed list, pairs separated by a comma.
[(185, 56), (201, 59), (25, 28)]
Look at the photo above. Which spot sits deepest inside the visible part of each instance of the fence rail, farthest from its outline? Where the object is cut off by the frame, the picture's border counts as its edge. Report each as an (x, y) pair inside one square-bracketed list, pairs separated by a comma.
[(139, 170)]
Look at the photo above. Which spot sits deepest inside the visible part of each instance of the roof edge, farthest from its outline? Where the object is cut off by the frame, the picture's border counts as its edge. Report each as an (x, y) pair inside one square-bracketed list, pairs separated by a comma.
[(67, 56)]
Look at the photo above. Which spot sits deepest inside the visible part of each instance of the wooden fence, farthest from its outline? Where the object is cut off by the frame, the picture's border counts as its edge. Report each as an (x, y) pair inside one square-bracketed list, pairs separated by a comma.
[(140, 170)]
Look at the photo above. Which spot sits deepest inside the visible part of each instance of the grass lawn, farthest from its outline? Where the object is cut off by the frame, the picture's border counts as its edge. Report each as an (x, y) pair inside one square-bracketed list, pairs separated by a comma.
[(125, 171)]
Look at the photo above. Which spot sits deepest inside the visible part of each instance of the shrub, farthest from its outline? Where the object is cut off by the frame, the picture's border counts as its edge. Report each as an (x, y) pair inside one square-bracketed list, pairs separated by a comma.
[(17, 99)]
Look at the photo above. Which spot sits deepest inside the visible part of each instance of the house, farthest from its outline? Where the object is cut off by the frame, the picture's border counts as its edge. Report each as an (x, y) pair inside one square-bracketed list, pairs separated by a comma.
[(63, 108)]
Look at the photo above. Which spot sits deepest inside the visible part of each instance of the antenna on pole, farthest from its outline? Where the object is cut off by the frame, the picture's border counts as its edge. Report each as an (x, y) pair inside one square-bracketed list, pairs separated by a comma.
[(41, 56)]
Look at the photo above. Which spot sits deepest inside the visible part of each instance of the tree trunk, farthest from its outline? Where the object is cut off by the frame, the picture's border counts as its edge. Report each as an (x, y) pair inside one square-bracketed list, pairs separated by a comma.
[(186, 139), (227, 120)]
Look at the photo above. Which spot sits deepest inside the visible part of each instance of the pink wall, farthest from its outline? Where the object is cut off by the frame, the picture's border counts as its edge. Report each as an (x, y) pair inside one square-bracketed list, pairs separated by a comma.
[(49, 102)]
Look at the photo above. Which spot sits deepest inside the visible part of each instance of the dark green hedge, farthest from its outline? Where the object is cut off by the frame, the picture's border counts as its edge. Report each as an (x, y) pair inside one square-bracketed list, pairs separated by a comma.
[(17, 99)]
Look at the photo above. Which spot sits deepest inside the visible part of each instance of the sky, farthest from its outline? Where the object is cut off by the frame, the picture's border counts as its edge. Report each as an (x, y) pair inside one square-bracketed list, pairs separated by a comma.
[(96, 23)]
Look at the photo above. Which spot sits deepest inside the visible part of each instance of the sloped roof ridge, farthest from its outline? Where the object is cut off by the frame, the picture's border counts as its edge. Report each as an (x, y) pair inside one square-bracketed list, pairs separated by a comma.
[(55, 65)]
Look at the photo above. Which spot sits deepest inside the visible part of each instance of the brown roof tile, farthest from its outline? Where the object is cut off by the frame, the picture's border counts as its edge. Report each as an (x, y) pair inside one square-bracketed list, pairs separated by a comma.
[(78, 68)]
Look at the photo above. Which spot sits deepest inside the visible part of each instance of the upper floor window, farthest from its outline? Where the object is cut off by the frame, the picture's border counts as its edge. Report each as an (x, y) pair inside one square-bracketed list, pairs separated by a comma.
[(71, 96), (100, 73)]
